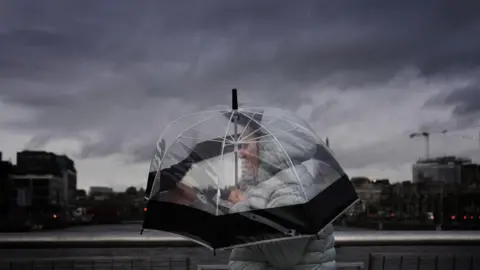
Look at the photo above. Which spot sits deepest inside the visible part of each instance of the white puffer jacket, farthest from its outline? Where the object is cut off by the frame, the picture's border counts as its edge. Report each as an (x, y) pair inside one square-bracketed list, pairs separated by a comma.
[(283, 189)]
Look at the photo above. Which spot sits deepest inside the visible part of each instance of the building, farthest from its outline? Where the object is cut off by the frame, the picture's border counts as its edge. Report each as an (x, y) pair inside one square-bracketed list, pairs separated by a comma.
[(44, 178), (471, 175), (6, 168), (369, 192), (449, 170), (402, 200), (446, 169), (448, 186), (100, 191)]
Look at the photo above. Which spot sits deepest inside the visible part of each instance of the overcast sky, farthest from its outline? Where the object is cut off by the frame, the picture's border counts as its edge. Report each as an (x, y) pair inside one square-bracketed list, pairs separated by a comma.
[(98, 80)]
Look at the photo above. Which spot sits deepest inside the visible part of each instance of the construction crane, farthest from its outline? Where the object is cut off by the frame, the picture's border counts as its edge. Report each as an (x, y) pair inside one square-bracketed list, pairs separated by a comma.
[(472, 138), (426, 135)]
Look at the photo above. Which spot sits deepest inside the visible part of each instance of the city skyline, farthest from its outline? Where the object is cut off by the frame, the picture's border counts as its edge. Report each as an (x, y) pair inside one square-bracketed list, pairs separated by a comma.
[(99, 81), (228, 167)]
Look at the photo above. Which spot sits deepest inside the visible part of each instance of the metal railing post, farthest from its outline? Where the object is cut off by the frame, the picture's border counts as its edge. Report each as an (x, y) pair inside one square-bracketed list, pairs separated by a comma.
[(370, 261)]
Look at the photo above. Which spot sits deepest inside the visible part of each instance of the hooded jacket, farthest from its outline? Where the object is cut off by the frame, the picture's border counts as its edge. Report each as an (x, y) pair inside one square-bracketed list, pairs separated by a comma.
[(283, 179)]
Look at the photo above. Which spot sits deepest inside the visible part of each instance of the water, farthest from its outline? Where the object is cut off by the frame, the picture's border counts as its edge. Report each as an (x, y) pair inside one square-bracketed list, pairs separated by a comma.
[(200, 255)]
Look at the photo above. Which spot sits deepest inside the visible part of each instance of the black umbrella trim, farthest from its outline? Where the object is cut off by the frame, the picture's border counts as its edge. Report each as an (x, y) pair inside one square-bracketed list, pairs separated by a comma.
[(235, 229)]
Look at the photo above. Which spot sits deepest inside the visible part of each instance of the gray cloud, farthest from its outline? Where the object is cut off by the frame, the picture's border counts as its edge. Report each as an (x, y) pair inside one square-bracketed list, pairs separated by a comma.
[(110, 68), (464, 103), (466, 100)]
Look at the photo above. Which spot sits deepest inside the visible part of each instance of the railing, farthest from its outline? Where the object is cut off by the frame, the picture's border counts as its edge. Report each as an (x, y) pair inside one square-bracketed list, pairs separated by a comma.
[(340, 266), (415, 261), (401, 261), (50, 240), (95, 263), (344, 239)]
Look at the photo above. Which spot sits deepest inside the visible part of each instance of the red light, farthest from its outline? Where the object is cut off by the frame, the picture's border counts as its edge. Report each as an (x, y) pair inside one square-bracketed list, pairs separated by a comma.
[(145, 209), (453, 217), (54, 216), (464, 217), (433, 217), (471, 217)]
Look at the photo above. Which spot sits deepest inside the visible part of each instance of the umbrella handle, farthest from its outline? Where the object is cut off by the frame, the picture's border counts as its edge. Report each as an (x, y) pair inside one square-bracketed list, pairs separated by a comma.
[(234, 99), (235, 124)]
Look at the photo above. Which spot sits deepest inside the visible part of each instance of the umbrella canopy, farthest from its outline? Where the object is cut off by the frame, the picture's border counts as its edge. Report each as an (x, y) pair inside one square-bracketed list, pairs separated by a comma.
[(234, 176)]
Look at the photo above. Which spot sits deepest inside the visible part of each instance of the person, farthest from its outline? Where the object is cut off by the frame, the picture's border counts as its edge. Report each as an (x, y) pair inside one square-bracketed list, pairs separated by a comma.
[(269, 182)]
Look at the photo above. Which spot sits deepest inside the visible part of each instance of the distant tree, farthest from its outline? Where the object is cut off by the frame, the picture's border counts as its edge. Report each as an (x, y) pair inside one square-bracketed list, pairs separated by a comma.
[(81, 193), (360, 180), (132, 191), (383, 181)]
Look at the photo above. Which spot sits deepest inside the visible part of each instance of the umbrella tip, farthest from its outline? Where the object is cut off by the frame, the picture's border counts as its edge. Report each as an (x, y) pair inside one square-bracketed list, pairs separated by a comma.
[(234, 99)]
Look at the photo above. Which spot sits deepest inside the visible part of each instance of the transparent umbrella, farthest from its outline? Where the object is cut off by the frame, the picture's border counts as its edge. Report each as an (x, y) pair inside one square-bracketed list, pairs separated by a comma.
[(234, 176)]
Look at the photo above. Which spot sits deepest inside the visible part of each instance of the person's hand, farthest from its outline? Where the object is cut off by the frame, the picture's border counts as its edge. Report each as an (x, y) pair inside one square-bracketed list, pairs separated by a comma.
[(183, 194), (236, 196)]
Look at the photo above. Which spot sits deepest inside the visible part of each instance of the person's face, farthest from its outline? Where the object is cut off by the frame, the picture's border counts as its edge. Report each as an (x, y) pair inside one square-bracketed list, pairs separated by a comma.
[(249, 151)]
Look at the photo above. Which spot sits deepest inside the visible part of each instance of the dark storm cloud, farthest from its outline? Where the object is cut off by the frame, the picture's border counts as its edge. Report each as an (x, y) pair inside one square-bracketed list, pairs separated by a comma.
[(142, 153), (465, 106), (365, 41), (466, 100), (102, 65)]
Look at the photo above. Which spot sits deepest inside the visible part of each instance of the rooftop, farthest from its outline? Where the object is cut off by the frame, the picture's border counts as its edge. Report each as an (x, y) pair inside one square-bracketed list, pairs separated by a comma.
[(445, 160)]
